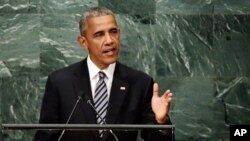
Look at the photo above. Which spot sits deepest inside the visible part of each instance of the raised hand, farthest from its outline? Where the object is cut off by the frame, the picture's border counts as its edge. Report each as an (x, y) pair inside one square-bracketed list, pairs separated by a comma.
[(161, 105)]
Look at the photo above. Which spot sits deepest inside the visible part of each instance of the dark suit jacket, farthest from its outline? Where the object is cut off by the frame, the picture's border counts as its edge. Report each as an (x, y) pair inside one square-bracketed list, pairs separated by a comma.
[(129, 106)]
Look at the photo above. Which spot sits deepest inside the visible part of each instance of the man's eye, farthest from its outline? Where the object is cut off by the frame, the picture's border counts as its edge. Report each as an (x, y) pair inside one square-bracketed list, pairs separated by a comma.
[(98, 34), (114, 31)]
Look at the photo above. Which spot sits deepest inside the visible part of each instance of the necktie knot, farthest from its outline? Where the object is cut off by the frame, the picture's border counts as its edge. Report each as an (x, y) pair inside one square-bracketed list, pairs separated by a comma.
[(101, 75)]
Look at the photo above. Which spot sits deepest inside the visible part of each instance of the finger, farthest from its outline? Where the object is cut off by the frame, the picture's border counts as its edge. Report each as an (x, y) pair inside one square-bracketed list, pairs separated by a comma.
[(166, 94), (155, 89), (169, 97), (169, 104)]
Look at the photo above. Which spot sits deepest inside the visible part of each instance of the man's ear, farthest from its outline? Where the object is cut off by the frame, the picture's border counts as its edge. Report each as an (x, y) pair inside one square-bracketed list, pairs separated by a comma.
[(82, 42)]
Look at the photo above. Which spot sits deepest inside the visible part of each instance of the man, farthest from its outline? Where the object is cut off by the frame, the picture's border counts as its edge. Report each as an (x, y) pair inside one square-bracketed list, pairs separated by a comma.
[(111, 92)]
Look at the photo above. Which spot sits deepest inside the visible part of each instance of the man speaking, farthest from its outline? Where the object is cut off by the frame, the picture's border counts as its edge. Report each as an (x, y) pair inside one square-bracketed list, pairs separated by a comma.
[(100, 90)]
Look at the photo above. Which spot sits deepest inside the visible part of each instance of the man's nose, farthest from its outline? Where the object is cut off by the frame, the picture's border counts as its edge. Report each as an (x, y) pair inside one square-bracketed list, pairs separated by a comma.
[(108, 39)]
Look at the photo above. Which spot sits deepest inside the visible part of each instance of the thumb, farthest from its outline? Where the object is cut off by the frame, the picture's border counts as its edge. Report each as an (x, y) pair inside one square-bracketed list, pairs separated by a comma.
[(155, 89)]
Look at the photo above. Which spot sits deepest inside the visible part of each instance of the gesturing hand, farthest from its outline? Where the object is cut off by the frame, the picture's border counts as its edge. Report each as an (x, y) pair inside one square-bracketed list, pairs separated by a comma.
[(161, 105)]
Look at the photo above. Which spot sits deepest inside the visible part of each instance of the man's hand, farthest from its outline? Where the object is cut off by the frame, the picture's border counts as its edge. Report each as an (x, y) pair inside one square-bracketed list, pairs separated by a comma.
[(161, 105)]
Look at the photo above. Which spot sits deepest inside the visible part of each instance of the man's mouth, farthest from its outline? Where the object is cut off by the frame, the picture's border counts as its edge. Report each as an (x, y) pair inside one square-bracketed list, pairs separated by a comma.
[(109, 52)]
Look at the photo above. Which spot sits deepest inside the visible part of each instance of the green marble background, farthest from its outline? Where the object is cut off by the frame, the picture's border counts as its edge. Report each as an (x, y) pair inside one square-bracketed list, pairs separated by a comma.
[(200, 49)]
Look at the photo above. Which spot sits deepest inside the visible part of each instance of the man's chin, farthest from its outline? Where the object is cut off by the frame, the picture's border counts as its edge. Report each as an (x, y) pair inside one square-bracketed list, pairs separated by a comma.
[(111, 60)]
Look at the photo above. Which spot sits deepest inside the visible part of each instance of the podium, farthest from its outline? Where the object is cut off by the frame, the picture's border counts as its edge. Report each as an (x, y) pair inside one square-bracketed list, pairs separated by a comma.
[(88, 127)]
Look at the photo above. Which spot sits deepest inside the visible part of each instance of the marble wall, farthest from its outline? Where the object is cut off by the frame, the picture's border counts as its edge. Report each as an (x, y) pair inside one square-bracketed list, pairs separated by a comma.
[(200, 49)]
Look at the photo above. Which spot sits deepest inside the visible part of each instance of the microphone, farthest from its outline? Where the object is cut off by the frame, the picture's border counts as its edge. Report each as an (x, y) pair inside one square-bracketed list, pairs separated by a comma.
[(78, 99), (93, 107)]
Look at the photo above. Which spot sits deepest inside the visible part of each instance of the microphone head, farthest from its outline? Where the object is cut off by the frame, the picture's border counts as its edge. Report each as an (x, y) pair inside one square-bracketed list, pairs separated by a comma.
[(79, 97), (80, 94), (86, 97)]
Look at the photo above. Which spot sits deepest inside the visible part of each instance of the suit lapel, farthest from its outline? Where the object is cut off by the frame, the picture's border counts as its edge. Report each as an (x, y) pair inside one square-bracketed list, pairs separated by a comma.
[(117, 96), (83, 89)]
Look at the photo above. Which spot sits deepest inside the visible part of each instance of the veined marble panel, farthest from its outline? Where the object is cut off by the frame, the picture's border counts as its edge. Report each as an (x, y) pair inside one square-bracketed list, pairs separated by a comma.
[(19, 44), (20, 6), (198, 48), (184, 7), (232, 7), (66, 6)]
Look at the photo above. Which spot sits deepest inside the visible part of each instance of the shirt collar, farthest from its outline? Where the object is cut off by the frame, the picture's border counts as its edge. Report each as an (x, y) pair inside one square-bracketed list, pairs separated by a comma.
[(94, 70)]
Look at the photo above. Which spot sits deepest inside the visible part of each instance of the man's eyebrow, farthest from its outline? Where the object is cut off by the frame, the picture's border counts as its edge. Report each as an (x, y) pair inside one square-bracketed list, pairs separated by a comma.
[(98, 32), (114, 28)]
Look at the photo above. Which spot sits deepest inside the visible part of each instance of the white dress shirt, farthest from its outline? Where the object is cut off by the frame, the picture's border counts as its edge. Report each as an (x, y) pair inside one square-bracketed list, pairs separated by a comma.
[(94, 77)]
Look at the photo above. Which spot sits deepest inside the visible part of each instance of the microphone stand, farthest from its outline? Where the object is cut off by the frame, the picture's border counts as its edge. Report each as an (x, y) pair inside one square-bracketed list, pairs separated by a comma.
[(79, 98), (110, 130)]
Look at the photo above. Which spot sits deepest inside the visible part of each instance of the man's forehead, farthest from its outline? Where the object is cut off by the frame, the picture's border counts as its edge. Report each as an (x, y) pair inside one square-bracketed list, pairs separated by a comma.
[(101, 19), (102, 22)]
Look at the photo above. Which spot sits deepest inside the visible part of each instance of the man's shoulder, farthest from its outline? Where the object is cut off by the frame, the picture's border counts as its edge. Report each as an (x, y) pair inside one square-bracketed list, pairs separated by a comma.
[(68, 70), (132, 72)]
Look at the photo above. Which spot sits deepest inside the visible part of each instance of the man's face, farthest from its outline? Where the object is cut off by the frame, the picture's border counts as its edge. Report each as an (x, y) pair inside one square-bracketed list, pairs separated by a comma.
[(102, 39)]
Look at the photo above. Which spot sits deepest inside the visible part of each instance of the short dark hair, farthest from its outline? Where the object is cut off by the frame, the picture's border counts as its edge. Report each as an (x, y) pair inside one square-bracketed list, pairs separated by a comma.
[(92, 12)]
